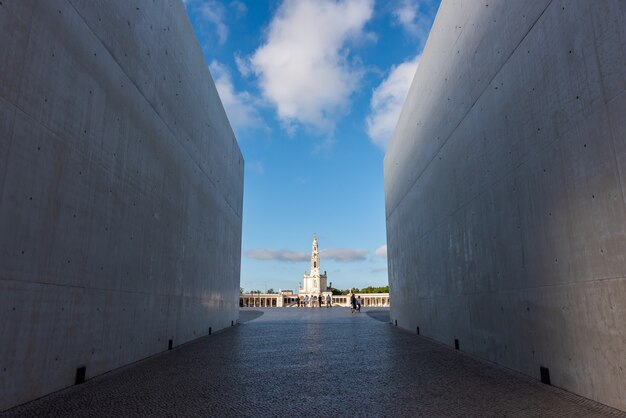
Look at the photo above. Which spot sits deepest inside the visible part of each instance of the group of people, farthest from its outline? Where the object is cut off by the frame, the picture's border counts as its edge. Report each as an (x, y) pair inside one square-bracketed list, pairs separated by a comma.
[(314, 301), (355, 302)]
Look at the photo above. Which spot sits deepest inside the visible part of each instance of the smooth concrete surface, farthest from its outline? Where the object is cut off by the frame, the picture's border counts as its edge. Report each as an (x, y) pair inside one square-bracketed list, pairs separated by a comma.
[(313, 363), (121, 187), (505, 190)]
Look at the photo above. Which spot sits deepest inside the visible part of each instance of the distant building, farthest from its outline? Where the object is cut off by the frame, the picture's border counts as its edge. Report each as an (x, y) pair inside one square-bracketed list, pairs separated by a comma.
[(314, 285)]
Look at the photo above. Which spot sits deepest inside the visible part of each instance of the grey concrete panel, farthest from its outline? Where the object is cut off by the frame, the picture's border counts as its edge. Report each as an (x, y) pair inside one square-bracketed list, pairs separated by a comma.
[(15, 20), (504, 189), (120, 194), (7, 118)]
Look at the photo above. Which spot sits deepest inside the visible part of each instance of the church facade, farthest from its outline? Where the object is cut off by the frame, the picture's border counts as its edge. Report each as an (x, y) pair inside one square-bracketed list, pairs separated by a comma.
[(314, 284)]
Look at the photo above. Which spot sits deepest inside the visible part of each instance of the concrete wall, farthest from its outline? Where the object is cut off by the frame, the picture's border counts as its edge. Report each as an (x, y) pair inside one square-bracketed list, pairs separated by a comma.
[(121, 187), (505, 190)]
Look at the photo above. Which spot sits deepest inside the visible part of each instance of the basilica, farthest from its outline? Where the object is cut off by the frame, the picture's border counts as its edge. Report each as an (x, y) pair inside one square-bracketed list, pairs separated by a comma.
[(314, 287), (314, 284)]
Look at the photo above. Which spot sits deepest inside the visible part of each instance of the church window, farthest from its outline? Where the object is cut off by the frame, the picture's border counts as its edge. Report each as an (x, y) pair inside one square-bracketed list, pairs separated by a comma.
[(315, 264)]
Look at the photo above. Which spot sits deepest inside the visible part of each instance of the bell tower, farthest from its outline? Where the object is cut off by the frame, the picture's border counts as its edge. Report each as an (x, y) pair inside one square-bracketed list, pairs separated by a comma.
[(315, 258), (314, 283)]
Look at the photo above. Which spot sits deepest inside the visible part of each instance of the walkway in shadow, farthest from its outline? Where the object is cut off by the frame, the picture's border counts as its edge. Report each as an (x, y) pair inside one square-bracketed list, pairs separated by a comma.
[(379, 315), (246, 315), (312, 362)]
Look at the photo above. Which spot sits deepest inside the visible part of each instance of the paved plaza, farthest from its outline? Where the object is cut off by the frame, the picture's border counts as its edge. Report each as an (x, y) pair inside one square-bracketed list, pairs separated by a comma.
[(312, 362)]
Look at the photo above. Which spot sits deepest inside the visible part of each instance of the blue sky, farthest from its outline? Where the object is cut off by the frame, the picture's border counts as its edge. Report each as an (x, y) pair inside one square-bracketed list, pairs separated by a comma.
[(313, 90)]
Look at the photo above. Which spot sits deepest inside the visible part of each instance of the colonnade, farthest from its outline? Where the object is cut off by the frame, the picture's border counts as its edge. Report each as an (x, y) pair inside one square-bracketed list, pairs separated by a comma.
[(367, 299), (259, 301), (270, 300)]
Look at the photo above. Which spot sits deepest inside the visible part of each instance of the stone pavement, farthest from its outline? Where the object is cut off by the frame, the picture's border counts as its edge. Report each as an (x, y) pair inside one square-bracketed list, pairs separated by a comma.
[(309, 363)]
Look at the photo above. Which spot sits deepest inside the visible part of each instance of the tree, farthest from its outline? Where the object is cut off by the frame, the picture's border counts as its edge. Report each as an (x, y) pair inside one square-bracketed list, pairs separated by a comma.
[(241, 289), (370, 289), (271, 290)]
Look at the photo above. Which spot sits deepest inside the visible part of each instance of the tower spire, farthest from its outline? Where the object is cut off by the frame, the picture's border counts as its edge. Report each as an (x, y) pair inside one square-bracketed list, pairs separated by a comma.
[(314, 283), (315, 258)]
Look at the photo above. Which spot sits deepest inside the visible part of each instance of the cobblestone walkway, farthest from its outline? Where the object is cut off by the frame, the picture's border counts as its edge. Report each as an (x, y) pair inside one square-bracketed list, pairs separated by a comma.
[(309, 363)]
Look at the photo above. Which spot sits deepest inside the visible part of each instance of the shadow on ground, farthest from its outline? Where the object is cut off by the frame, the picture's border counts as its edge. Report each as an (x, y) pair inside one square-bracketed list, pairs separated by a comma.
[(345, 364), (382, 316), (246, 315)]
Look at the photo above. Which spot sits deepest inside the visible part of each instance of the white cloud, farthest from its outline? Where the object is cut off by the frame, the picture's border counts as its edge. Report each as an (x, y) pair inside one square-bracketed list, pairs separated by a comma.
[(343, 254), (387, 100), (381, 251), (214, 12), (239, 106), (243, 65), (279, 255), (336, 254), (303, 66), (407, 14)]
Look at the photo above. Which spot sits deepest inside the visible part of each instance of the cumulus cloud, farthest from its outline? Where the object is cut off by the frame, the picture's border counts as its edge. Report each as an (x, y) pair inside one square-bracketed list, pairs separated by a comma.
[(336, 254), (243, 65), (343, 254), (303, 66), (414, 17), (381, 251), (239, 106), (405, 14), (214, 12), (387, 100), (279, 255)]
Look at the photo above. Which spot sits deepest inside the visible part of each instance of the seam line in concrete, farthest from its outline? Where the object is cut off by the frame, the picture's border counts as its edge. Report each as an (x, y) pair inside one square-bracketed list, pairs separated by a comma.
[(505, 291), (523, 161), (614, 153), (149, 192), (604, 99), (150, 105), (469, 109), (30, 31), (102, 289), (15, 107)]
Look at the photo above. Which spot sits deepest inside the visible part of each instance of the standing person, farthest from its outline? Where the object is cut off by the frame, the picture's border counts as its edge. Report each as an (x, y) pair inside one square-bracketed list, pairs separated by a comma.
[(353, 302), (358, 303), (319, 301), (328, 301), (306, 301), (298, 302)]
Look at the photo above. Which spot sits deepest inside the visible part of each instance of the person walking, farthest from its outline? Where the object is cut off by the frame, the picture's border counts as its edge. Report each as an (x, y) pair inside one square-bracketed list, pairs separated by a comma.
[(358, 303), (352, 302), (306, 301), (328, 301), (319, 301)]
